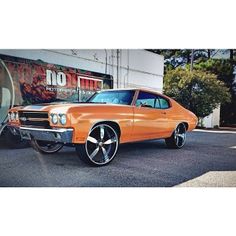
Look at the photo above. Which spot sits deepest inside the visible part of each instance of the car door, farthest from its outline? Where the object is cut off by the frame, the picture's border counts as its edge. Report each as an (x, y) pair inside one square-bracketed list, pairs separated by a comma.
[(150, 121)]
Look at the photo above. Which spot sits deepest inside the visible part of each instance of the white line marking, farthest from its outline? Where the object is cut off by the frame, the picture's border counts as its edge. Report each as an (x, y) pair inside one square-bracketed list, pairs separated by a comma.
[(216, 131)]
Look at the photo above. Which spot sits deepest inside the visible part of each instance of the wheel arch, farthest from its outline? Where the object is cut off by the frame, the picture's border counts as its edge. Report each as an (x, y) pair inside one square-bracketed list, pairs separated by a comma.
[(186, 125), (113, 124)]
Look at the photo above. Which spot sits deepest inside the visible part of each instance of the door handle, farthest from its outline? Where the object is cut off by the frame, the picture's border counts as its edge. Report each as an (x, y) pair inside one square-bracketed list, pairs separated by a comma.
[(163, 112)]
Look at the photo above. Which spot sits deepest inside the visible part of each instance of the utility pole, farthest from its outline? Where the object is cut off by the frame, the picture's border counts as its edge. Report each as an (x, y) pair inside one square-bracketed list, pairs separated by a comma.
[(117, 67), (192, 57)]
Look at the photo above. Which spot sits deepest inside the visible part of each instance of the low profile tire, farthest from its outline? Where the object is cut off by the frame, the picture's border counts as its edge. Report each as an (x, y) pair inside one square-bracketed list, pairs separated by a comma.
[(101, 146), (178, 138), (46, 147)]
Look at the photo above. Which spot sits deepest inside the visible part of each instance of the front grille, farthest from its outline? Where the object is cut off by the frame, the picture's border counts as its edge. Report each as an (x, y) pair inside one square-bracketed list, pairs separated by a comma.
[(34, 119)]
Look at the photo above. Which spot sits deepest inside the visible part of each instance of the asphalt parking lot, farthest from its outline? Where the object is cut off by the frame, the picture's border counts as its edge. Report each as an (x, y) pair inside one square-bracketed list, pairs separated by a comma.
[(208, 159)]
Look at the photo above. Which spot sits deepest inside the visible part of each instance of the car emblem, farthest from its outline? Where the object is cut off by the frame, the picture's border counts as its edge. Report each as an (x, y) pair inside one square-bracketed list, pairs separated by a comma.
[(23, 119)]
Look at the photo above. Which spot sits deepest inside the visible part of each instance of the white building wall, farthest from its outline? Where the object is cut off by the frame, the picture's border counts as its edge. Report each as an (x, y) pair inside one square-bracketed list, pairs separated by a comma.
[(129, 68), (213, 120)]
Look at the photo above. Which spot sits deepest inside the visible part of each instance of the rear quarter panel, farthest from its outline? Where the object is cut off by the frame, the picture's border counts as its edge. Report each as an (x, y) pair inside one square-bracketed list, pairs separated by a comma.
[(178, 114)]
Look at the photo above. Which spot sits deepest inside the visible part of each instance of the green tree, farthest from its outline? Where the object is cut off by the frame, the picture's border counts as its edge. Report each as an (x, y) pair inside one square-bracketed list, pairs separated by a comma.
[(180, 57), (198, 91), (221, 62), (223, 68)]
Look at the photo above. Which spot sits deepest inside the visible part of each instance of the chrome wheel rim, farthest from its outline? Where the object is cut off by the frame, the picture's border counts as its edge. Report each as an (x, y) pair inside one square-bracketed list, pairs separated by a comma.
[(48, 147), (101, 145), (180, 136)]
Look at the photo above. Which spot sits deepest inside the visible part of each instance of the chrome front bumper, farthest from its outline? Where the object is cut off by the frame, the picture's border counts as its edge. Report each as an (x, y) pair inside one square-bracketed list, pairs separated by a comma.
[(61, 135)]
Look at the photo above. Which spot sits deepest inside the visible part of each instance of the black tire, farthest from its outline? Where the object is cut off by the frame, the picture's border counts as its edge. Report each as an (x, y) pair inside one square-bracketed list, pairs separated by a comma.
[(14, 141), (101, 146), (178, 138), (46, 147)]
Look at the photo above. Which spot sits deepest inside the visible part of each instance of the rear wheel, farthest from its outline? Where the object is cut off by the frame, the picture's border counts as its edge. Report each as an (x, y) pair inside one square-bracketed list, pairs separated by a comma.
[(178, 138), (101, 146), (46, 147)]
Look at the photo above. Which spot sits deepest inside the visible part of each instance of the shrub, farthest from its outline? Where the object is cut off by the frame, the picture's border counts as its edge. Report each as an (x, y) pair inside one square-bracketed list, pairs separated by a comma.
[(198, 91)]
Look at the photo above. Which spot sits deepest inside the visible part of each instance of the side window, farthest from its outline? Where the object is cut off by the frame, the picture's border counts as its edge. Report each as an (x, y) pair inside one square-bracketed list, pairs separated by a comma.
[(164, 104), (146, 100)]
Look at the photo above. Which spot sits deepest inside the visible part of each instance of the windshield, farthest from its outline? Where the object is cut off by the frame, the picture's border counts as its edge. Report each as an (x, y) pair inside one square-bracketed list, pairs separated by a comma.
[(123, 97)]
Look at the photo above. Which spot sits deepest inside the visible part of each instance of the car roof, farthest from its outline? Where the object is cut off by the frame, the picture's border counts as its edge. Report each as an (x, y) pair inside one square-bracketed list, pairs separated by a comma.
[(140, 89)]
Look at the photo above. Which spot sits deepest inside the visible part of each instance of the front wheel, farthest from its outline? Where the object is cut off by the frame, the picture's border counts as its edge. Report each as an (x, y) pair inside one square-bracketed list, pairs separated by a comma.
[(14, 140), (178, 138), (101, 146), (46, 147)]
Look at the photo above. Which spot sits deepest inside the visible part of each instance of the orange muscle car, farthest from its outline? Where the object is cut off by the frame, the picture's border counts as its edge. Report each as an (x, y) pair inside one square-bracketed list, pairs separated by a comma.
[(98, 126)]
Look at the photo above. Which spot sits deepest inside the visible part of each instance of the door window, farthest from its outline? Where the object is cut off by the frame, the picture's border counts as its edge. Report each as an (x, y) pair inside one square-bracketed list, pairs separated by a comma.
[(146, 100)]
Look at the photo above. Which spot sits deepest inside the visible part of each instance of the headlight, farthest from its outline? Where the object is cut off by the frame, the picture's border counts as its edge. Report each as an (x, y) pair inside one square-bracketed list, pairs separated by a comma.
[(62, 119), (54, 118), (13, 116), (9, 116), (17, 116)]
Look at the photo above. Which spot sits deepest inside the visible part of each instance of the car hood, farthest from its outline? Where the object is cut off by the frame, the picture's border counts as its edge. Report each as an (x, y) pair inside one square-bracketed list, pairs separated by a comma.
[(63, 107)]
